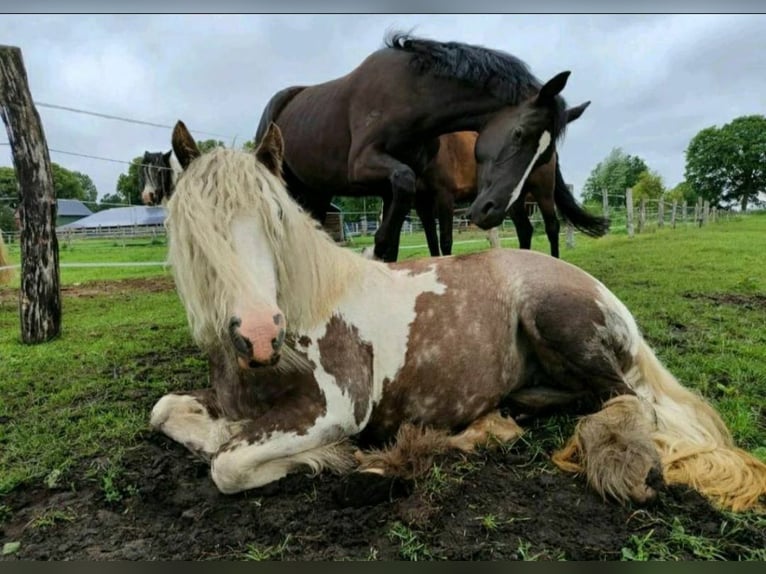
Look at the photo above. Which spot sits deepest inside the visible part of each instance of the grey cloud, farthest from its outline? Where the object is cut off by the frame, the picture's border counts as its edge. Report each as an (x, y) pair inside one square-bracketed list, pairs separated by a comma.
[(655, 80)]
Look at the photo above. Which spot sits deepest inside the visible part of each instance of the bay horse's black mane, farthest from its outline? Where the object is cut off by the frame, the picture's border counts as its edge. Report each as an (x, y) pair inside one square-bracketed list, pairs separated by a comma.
[(504, 76)]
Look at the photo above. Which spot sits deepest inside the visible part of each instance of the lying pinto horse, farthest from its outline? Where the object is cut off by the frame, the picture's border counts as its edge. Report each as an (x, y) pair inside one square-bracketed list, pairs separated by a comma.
[(300, 360)]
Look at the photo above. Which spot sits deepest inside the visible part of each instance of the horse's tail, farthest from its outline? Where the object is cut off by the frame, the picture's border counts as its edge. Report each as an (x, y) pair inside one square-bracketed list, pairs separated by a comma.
[(274, 107), (7, 273), (694, 445), (592, 225)]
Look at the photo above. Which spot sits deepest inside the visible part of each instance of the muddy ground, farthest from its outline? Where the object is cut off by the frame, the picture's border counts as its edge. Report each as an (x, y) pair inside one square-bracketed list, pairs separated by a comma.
[(501, 504)]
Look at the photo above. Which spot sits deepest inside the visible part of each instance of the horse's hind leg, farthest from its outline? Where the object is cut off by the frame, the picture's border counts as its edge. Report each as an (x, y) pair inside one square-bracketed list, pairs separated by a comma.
[(615, 451), (492, 428), (192, 419), (414, 449)]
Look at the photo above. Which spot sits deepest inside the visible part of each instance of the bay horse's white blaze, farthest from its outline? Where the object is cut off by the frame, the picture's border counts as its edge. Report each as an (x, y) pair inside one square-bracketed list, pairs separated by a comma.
[(545, 141), (376, 348)]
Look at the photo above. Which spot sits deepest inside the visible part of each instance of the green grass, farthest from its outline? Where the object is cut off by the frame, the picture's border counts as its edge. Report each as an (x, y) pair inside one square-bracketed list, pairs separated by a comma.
[(86, 395)]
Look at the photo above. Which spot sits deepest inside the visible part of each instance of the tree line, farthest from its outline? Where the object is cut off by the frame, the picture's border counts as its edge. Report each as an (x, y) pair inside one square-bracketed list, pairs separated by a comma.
[(724, 165)]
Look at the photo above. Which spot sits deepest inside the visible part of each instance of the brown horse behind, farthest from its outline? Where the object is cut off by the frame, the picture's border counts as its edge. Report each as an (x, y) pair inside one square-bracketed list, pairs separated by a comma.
[(451, 178)]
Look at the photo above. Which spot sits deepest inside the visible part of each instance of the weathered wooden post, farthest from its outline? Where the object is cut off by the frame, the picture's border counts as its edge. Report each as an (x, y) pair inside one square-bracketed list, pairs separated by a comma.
[(629, 211), (605, 202), (40, 294), (673, 214), (705, 212), (642, 215), (660, 213), (683, 211)]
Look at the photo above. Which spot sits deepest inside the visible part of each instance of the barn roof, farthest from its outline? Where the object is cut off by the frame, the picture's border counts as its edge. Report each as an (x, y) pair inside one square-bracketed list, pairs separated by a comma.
[(72, 208), (120, 217)]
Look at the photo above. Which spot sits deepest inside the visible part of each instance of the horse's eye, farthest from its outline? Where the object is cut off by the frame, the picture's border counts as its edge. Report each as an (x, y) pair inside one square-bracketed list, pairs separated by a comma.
[(518, 134)]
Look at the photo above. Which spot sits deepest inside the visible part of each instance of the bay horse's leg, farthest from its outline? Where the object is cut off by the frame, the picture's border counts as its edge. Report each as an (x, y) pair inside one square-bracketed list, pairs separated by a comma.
[(446, 212), (522, 224), (424, 205), (552, 226), (194, 420), (371, 166)]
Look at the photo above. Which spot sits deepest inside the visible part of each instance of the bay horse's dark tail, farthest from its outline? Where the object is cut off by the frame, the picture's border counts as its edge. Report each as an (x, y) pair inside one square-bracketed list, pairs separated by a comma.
[(274, 107), (592, 225)]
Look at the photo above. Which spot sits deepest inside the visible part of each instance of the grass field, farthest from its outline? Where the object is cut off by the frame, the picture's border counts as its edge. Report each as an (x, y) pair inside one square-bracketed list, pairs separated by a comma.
[(699, 295)]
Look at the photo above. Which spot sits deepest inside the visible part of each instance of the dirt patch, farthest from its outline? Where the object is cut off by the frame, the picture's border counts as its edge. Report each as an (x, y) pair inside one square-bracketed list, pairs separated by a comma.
[(496, 505), (100, 288), (754, 301)]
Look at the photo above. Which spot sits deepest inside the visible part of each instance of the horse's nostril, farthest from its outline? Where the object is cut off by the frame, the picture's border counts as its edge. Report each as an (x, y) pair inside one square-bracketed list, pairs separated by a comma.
[(487, 207)]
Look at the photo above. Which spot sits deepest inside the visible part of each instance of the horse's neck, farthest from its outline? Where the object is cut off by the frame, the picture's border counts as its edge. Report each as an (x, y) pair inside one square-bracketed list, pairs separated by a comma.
[(318, 275)]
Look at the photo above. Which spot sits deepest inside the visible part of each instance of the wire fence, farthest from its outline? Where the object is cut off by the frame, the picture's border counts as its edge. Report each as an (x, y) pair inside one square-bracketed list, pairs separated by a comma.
[(627, 217)]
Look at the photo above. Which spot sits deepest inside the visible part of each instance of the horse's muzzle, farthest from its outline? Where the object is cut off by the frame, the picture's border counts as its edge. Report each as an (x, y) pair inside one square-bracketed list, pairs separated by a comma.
[(259, 347), (487, 214)]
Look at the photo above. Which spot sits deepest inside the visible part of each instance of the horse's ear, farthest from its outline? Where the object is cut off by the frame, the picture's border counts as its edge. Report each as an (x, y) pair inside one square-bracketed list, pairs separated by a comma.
[(271, 149), (552, 87), (184, 146), (575, 112)]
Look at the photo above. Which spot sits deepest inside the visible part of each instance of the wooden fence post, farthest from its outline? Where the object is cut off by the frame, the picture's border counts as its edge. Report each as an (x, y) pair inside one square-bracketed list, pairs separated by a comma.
[(629, 211), (673, 214), (698, 211), (705, 212), (605, 202), (714, 214), (642, 215), (40, 294), (660, 213)]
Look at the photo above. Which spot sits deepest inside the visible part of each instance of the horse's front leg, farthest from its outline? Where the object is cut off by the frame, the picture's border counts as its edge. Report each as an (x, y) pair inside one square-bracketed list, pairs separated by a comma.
[(370, 167), (259, 454), (193, 419)]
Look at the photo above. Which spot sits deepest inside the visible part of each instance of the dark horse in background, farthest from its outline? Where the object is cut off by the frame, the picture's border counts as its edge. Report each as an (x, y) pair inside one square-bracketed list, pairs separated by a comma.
[(450, 179), (373, 131)]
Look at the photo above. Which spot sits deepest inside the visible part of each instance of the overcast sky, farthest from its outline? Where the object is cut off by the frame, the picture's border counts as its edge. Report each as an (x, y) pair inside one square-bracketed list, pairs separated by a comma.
[(654, 80)]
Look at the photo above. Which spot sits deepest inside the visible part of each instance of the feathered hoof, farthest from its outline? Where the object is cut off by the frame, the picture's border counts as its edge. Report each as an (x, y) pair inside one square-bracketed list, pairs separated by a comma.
[(369, 488), (647, 493)]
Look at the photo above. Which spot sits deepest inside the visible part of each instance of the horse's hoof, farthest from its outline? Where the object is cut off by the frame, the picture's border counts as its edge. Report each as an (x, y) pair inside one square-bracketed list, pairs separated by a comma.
[(368, 488)]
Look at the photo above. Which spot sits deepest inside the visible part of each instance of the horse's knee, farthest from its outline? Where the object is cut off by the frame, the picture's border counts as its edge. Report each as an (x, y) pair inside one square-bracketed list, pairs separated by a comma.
[(232, 471)]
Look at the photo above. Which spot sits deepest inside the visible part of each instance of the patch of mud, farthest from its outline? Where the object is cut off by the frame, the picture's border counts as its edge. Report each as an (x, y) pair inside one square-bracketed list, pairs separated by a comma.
[(491, 506), (754, 301)]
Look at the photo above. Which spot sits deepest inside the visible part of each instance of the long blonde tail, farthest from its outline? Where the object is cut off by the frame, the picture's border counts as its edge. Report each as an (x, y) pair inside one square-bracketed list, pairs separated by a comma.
[(694, 445)]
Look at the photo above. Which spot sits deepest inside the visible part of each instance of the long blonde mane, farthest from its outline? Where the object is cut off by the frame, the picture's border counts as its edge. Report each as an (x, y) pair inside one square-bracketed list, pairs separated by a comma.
[(312, 271)]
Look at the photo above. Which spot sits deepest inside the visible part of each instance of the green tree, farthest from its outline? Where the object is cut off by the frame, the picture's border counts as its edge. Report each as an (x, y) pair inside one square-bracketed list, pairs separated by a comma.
[(617, 172), (68, 184), (728, 164), (649, 186), (89, 190), (9, 187), (682, 192), (109, 201)]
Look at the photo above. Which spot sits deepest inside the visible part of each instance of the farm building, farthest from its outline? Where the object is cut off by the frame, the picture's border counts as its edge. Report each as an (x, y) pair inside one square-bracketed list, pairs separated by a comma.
[(70, 210), (139, 219), (118, 220)]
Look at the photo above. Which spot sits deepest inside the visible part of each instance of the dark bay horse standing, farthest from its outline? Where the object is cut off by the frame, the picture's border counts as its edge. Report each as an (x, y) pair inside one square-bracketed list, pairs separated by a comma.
[(373, 131), (451, 177)]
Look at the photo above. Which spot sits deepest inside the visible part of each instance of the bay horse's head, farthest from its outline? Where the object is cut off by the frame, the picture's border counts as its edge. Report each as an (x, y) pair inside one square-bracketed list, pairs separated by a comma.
[(512, 144), (224, 228), (156, 177)]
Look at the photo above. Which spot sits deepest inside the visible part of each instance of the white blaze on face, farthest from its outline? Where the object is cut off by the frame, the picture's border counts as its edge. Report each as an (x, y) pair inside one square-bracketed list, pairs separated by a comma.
[(257, 309), (545, 141)]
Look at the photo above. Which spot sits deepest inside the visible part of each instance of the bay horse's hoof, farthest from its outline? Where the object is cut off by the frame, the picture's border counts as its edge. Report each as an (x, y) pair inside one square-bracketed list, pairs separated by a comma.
[(369, 488)]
